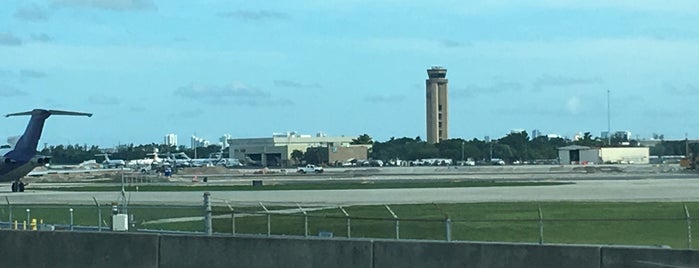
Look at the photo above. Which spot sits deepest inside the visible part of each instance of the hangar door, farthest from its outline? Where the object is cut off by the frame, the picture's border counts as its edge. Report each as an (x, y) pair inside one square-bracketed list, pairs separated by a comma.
[(574, 156)]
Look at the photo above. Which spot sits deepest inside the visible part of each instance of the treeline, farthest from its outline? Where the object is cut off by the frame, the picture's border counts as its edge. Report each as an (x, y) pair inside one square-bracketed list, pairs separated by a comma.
[(516, 146), (513, 147), (75, 154)]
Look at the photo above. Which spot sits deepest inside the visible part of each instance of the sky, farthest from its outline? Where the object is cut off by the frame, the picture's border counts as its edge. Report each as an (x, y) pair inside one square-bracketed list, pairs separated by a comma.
[(147, 68)]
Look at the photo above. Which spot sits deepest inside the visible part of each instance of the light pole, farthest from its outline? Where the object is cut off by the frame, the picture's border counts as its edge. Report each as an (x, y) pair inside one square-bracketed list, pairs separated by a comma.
[(462, 151), (609, 120), (71, 218)]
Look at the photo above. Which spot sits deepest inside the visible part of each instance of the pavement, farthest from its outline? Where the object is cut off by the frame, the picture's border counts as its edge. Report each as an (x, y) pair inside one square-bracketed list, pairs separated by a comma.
[(627, 183)]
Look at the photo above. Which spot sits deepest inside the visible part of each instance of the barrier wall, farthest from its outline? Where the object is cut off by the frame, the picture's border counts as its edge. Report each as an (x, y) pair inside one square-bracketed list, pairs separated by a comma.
[(76, 249), (443, 254), (613, 257), (192, 251)]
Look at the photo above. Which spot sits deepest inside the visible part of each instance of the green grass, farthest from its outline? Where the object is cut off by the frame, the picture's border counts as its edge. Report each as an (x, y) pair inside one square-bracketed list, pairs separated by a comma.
[(647, 223), (321, 185)]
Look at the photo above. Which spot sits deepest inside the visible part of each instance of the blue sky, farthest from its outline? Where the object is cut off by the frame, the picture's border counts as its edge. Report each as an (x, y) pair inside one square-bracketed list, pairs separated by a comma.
[(147, 68)]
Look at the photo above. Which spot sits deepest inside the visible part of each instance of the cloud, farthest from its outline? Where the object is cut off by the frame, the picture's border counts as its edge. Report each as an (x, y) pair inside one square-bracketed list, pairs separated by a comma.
[(384, 98), (678, 6), (137, 108), (103, 100), (115, 5), (254, 15), (32, 74), (686, 90), (192, 113), (8, 91), (8, 39), (563, 81), (234, 93), (294, 84), (41, 37), (478, 90), (573, 105), (455, 44), (32, 13)]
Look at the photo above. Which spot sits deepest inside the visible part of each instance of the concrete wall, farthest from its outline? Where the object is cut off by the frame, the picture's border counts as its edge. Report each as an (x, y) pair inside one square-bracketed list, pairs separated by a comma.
[(75, 249), (443, 254), (590, 156), (613, 257), (191, 251), (339, 154)]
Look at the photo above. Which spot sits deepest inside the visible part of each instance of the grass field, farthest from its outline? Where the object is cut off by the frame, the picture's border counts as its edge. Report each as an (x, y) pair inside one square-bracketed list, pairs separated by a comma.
[(653, 223)]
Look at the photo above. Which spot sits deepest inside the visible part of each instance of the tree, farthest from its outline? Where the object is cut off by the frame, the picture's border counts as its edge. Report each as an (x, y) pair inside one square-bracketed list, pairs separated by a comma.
[(517, 143), (297, 156), (588, 140), (362, 139), (316, 155)]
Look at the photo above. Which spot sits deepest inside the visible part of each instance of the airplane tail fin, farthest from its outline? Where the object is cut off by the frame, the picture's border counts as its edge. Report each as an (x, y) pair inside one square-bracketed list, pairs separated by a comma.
[(27, 143)]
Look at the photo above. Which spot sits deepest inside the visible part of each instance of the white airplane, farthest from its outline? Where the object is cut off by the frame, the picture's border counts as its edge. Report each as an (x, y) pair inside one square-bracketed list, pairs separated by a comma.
[(112, 163), (180, 159), (21, 158)]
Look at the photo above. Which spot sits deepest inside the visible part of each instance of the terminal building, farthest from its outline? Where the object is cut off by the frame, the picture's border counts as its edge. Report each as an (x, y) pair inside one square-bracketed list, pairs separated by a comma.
[(276, 151)]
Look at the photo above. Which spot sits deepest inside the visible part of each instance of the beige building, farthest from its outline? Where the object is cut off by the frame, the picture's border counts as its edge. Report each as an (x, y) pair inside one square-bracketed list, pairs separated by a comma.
[(576, 154), (437, 105), (276, 150)]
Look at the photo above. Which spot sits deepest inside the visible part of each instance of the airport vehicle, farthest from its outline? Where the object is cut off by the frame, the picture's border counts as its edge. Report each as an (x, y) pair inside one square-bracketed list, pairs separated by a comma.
[(689, 162), (309, 168), (112, 163), (22, 157)]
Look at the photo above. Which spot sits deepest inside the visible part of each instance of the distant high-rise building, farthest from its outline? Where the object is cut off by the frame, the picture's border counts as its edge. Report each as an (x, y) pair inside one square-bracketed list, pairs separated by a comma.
[(437, 105), (170, 140), (535, 133), (223, 140), (198, 142), (622, 135)]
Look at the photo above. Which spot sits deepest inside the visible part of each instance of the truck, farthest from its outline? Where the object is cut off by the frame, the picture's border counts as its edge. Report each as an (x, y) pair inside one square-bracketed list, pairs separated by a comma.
[(309, 168)]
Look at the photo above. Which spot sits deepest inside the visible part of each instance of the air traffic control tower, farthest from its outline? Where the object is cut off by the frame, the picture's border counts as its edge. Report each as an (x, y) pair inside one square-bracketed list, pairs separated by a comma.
[(437, 106)]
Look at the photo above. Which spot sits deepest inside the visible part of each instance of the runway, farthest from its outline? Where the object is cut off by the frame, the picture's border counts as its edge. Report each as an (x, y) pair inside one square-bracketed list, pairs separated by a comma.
[(626, 190)]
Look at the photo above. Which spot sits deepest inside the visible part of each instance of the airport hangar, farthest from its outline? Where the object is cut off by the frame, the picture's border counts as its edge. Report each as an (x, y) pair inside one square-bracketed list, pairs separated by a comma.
[(576, 154), (276, 151)]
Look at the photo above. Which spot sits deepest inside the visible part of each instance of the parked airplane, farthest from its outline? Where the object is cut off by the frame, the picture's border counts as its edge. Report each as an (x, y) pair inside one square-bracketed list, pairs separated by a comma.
[(180, 159), (112, 163), (155, 160), (22, 157)]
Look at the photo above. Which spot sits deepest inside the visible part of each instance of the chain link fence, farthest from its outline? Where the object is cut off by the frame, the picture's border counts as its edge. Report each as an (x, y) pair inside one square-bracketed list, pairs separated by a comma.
[(448, 222)]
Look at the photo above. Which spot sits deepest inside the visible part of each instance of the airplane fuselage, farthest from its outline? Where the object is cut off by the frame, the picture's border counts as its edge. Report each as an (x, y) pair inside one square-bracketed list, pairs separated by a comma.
[(15, 169)]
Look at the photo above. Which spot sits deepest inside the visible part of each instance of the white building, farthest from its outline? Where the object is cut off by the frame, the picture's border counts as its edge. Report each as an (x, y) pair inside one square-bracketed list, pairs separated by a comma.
[(575, 154), (170, 140), (198, 142), (223, 140)]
